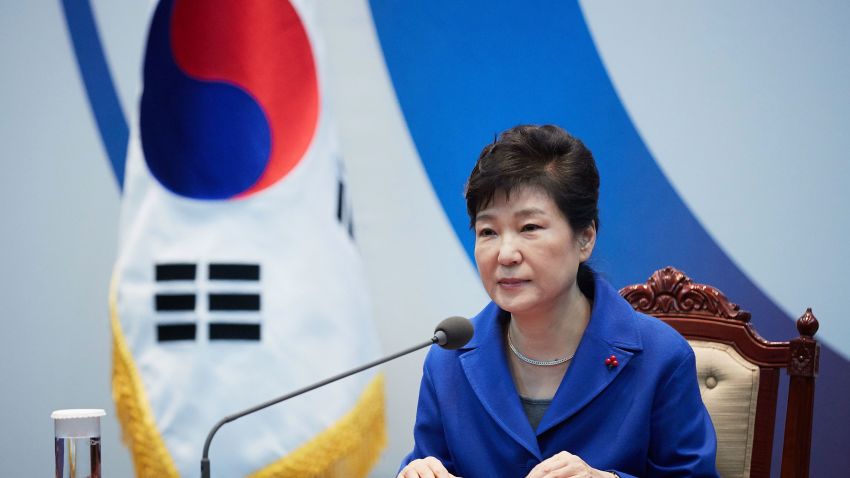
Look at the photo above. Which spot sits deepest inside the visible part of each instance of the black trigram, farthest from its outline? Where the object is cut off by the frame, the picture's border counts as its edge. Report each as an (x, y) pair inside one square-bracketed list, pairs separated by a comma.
[(176, 301), (343, 210)]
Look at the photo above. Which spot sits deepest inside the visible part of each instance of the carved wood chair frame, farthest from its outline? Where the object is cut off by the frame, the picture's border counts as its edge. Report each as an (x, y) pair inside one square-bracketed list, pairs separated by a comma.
[(702, 312)]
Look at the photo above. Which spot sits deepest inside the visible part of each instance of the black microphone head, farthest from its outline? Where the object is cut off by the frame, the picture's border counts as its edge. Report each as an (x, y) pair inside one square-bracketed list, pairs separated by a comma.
[(453, 333)]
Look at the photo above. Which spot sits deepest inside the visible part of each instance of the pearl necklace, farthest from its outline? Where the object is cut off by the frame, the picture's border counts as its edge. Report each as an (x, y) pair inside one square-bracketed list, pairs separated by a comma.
[(531, 361)]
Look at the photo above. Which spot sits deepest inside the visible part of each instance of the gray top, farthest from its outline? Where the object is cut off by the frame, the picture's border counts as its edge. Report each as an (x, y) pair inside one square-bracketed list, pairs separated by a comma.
[(534, 410)]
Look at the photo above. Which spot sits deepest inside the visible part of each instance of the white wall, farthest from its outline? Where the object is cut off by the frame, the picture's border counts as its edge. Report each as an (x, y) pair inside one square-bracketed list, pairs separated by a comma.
[(60, 208)]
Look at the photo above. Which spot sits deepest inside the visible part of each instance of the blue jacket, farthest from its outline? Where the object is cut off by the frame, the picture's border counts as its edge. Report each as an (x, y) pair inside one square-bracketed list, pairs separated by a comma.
[(642, 418)]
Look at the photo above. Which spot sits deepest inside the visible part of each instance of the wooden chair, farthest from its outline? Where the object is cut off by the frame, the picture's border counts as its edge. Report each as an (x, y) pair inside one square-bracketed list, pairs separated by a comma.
[(738, 373)]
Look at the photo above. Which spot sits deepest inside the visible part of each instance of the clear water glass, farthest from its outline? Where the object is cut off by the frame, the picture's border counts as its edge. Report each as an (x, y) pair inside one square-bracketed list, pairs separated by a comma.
[(77, 443)]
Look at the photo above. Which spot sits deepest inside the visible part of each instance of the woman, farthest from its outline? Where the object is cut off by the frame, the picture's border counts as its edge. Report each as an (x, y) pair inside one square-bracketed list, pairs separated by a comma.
[(562, 378)]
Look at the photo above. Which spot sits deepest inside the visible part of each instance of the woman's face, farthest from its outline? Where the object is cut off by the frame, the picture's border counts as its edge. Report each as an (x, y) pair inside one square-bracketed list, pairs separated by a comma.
[(527, 253)]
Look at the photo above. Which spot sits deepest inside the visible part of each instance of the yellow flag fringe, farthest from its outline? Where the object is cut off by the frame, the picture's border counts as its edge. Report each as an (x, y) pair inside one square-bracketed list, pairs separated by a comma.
[(347, 449)]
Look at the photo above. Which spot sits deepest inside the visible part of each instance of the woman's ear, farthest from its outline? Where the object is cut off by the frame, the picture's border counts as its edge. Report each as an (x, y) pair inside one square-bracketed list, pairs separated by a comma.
[(586, 242)]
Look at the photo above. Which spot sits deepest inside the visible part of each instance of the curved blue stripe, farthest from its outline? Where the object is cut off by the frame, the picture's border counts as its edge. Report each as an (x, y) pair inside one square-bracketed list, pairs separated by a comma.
[(464, 71), (103, 97)]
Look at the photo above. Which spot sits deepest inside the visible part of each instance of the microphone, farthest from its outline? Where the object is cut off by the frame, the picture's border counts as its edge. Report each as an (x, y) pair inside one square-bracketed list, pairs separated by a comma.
[(452, 333)]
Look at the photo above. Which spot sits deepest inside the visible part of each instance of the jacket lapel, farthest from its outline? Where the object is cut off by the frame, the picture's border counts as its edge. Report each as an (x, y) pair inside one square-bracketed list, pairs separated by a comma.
[(486, 369), (612, 331)]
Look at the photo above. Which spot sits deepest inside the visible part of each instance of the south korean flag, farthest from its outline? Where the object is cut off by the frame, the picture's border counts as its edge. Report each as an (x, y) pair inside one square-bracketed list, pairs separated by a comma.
[(238, 278)]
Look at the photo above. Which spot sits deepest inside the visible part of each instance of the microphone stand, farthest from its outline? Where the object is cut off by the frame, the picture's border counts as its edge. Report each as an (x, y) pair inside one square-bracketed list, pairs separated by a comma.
[(438, 338)]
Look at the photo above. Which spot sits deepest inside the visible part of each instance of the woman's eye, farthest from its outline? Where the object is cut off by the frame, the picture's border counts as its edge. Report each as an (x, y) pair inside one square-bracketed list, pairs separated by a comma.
[(530, 227), (486, 232)]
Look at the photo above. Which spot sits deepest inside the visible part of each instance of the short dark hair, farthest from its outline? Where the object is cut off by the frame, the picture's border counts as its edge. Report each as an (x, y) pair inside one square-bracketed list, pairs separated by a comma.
[(546, 157)]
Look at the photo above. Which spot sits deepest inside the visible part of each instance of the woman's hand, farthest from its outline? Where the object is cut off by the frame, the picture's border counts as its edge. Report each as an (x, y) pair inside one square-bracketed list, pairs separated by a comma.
[(566, 465), (428, 467)]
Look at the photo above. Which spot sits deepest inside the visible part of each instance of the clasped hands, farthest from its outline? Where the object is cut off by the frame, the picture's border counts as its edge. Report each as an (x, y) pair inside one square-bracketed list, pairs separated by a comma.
[(561, 465)]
